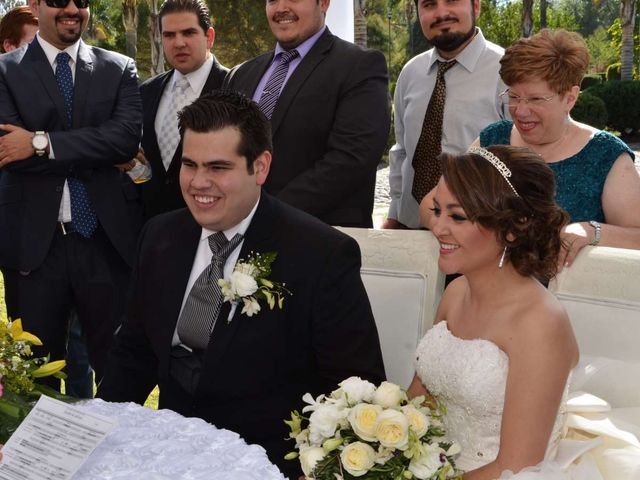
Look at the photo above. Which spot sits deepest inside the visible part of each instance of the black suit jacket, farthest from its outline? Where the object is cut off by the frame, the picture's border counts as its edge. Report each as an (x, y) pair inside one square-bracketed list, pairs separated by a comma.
[(162, 193), (330, 128), (107, 118), (256, 368)]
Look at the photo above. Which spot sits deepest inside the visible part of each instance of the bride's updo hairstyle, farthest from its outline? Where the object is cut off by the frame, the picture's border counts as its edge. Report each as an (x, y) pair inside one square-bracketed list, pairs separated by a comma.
[(512, 194)]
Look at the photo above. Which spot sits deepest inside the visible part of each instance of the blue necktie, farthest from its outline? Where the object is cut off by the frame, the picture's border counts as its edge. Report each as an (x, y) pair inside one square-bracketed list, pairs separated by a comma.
[(83, 216), (271, 90)]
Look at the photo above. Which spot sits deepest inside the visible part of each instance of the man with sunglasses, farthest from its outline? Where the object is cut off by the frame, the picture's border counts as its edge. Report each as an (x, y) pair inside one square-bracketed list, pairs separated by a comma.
[(68, 113)]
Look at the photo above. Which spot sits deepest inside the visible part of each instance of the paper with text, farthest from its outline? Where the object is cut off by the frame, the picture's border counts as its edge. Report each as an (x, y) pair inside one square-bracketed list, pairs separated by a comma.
[(53, 442)]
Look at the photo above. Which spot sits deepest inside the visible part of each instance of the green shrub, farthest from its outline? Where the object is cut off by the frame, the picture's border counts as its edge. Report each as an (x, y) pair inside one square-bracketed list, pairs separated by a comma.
[(591, 110), (613, 71), (622, 100), (590, 80)]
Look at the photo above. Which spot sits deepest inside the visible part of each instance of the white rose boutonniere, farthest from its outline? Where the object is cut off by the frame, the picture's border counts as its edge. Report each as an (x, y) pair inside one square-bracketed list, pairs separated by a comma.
[(248, 282)]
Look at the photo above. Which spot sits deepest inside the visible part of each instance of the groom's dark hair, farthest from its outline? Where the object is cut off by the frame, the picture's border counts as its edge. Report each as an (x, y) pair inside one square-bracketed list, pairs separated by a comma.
[(224, 108)]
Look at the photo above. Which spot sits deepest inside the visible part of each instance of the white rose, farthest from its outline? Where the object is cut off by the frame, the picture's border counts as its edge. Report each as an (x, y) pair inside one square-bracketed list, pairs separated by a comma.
[(356, 390), (243, 284), (418, 421), (309, 457), (246, 268), (363, 419), (357, 458), (227, 291), (392, 429), (251, 306), (388, 395), (323, 422), (427, 463)]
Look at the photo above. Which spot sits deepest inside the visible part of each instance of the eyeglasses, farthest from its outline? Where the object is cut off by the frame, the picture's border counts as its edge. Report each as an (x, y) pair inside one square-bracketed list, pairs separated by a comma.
[(533, 102), (64, 3)]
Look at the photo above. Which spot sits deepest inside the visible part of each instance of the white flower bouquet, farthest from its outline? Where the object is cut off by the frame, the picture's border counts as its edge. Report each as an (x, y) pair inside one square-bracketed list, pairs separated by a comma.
[(360, 431)]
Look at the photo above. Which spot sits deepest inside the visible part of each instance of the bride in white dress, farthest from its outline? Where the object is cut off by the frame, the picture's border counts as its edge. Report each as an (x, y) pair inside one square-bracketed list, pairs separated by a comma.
[(501, 351)]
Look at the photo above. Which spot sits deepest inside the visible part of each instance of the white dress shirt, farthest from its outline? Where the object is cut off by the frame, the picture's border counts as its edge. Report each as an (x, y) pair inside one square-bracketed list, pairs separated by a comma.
[(64, 214), (472, 103), (196, 80), (203, 257)]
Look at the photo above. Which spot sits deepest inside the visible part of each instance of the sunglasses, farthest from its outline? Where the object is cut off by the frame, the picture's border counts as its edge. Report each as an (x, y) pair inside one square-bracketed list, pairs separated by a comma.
[(64, 3)]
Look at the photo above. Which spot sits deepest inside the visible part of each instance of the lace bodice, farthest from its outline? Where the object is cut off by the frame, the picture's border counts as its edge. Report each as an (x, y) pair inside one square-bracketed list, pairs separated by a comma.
[(470, 377)]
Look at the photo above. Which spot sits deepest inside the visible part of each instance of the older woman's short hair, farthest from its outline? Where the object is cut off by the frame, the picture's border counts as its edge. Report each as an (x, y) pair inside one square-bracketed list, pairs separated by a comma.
[(556, 56)]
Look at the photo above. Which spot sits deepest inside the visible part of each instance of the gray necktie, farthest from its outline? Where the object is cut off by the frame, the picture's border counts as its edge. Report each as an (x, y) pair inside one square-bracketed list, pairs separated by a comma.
[(201, 309), (169, 136)]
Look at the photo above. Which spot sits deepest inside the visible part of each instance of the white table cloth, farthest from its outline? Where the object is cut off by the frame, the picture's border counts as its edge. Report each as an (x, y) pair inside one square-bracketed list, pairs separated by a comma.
[(163, 445)]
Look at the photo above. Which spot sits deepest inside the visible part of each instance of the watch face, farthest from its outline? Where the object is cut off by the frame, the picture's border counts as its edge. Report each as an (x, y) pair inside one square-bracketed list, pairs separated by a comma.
[(40, 142)]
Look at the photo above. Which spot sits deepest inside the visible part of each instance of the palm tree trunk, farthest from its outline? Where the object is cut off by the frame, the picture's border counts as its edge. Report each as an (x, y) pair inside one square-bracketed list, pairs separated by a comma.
[(360, 22), (627, 20), (130, 22), (155, 39), (527, 18), (543, 13)]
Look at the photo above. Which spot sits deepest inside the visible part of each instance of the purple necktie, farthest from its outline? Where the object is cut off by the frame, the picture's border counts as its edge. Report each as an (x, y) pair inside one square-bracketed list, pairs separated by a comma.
[(271, 91)]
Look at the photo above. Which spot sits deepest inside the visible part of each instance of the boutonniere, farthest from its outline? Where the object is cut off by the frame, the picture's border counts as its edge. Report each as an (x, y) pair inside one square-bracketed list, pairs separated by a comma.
[(249, 282)]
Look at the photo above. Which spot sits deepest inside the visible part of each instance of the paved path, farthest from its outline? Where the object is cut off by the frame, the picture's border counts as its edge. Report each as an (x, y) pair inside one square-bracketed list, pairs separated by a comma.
[(382, 199)]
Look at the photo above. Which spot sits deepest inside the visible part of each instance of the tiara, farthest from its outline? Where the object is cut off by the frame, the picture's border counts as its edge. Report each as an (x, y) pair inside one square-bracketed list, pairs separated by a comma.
[(496, 162)]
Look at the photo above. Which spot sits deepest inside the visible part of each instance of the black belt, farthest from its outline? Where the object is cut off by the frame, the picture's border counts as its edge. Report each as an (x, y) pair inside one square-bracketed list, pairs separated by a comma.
[(66, 228)]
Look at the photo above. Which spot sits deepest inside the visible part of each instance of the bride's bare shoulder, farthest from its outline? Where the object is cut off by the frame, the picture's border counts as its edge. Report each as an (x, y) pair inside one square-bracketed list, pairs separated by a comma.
[(452, 295)]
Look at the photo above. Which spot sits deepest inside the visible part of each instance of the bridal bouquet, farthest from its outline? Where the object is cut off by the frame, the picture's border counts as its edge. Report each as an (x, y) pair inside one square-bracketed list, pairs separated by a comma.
[(372, 433), (17, 373)]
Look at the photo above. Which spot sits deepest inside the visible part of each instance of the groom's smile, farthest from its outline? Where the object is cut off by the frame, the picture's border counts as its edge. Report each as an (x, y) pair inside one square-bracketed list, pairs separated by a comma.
[(217, 184)]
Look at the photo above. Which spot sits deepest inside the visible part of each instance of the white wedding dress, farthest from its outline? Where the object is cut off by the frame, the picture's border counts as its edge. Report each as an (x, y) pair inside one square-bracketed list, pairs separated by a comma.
[(469, 377)]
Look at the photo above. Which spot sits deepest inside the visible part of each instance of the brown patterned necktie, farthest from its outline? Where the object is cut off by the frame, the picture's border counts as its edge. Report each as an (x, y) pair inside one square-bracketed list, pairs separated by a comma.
[(425, 165)]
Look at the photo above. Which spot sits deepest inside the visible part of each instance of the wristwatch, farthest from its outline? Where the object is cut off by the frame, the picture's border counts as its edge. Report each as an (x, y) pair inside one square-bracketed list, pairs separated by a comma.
[(40, 142), (598, 229)]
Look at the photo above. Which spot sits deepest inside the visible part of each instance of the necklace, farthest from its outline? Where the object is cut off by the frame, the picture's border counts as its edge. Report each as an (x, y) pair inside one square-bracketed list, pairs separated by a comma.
[(548, 149)]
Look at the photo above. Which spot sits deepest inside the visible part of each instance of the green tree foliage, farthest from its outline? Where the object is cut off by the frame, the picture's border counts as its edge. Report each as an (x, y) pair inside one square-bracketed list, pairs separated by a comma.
[(601, 50), (242, 31)]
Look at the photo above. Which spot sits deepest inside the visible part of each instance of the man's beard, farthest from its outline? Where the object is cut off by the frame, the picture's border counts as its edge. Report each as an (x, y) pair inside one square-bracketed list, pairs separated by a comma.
[(451, 41)]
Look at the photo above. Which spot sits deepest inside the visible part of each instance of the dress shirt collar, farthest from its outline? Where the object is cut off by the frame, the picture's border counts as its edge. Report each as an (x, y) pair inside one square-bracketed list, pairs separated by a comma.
[(304, 47), (197, 78), (240, 228), (468, 57), (52, 51)]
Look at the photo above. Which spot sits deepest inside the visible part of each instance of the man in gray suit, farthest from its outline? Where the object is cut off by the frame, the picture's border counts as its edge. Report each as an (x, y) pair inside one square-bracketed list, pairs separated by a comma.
[(68, 113)]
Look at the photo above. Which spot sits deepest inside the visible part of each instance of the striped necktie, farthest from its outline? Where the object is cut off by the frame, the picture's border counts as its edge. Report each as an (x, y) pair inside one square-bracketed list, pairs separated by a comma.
[(274, 85), (202, 307)]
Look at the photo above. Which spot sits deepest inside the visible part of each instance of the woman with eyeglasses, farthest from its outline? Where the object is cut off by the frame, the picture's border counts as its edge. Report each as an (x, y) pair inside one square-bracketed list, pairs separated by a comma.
[(597, 182)]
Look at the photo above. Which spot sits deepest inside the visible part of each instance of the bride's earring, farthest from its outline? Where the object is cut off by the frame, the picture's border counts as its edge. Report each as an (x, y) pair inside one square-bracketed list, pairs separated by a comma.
[(504, 252)]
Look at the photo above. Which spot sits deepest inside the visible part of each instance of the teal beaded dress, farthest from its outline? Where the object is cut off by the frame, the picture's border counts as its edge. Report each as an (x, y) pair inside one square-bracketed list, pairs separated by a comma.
[(580, 178)]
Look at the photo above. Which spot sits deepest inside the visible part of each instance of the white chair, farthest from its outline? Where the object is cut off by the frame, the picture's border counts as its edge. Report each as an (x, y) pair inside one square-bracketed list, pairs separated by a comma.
[(401, 276), (601, 293)]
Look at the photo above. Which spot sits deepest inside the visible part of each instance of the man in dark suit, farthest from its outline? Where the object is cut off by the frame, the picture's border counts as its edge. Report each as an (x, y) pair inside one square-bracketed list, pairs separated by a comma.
[(329, 113), (187, 38), (244, 373), (68, 114)]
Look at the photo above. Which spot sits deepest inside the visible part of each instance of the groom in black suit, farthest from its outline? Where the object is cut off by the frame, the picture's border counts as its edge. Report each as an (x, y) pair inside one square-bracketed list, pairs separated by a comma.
[(250, 371)]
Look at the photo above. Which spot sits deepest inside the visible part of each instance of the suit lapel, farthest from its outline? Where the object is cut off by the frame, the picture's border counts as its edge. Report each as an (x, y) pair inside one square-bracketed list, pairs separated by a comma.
[(258, 239), (248, 82), (45, 73), (82, 83), (308, 64), (149, 127), (178, 260)]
